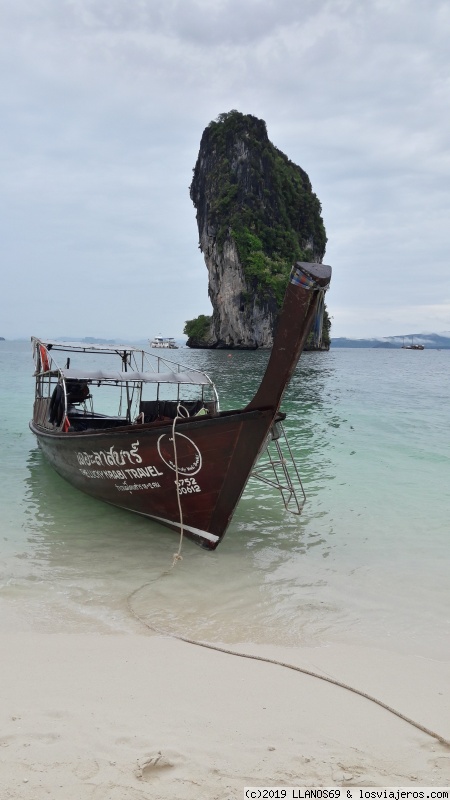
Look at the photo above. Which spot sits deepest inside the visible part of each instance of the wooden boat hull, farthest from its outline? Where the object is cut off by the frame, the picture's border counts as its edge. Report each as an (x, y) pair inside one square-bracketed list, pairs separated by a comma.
[(134, 468)]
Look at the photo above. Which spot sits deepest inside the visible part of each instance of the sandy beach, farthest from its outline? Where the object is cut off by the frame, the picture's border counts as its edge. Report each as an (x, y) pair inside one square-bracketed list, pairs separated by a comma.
[(97, 705), (139, 715)]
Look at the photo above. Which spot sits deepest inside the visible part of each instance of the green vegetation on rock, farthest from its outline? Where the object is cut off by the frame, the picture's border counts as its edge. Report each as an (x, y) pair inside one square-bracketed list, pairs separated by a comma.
[(198, 328), (247, 191), (262, 200), (326, 330)]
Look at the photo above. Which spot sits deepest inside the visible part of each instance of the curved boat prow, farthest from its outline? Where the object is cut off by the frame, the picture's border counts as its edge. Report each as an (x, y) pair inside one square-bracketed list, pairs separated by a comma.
[(306, 285)]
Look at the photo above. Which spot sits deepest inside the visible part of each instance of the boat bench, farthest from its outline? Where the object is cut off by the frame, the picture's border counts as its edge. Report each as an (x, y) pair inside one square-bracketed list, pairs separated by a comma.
[(87, 422), (160, 409)]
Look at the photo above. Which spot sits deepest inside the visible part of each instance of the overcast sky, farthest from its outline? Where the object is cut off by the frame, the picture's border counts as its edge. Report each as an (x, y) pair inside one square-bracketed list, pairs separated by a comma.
[(103, 106)]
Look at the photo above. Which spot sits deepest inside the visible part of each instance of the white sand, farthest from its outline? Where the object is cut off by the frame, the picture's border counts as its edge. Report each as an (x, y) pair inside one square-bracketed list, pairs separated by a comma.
[(128, 717)]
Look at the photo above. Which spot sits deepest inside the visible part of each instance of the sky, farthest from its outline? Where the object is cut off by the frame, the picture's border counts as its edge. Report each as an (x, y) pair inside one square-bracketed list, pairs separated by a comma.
[(103, 105)]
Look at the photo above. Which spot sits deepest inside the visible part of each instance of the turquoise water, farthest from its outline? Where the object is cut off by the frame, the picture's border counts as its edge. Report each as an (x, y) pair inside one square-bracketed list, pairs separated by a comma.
[(366, 562)]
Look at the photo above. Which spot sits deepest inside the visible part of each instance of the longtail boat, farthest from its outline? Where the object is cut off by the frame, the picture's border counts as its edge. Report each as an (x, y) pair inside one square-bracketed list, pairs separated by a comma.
[(166, 450)]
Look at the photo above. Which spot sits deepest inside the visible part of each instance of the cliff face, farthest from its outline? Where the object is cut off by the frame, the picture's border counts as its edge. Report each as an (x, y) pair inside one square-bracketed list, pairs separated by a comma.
[(240, 319), (256, 216)]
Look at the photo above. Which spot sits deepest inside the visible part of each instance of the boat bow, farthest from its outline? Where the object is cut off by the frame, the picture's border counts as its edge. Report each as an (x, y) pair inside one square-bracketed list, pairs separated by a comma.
[(307, 283)]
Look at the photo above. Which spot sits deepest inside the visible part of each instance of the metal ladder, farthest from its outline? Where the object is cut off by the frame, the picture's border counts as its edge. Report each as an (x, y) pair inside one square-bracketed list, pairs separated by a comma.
[(276, 467)]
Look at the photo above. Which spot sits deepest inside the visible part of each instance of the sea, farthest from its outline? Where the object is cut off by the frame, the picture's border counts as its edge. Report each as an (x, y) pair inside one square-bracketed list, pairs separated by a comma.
[(365, 563)]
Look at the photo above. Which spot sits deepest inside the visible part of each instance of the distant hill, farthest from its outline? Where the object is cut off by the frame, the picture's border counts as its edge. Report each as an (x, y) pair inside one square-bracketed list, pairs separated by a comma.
[(432, 341), (85, 339)]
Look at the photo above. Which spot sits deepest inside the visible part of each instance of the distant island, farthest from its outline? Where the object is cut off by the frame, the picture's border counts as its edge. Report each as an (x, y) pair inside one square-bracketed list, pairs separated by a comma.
[(86, 340), (431, 341)]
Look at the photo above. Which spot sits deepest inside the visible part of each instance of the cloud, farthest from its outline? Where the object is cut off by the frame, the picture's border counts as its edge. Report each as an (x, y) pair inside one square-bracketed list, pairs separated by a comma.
[(103, 107), (398, 320)]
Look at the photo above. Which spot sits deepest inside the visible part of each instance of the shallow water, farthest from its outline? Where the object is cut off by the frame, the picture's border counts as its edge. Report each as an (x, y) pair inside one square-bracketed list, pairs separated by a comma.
[(366, 562)]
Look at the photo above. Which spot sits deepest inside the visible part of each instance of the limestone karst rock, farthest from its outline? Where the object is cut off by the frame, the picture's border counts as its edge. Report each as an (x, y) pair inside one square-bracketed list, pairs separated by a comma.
[(256, 216)]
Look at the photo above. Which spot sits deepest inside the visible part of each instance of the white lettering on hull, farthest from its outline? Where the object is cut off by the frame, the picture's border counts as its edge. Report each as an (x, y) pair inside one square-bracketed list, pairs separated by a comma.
[(188, 486), (111, 457), (166, 453), (122, 474), (135, 487)]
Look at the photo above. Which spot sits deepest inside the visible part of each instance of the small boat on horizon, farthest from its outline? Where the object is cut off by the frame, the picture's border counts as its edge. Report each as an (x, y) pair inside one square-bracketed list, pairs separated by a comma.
[(164, 342), (167, 451), (412, 346)]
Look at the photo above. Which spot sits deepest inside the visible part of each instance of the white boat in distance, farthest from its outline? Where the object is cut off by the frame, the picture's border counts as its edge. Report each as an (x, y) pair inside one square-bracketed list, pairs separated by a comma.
[(412, 346), (167, 342)]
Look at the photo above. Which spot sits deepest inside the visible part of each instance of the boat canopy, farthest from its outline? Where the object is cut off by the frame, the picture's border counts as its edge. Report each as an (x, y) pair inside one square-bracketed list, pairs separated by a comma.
[(192, 376), (86, 347)]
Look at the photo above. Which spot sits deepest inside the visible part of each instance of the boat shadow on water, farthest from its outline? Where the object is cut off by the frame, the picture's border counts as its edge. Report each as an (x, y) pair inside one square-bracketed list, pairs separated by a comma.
[(96, 556), (62, 519), (61, 515)]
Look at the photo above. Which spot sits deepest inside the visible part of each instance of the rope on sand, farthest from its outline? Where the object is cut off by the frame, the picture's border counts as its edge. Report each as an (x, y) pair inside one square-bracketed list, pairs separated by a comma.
[(441, 739)]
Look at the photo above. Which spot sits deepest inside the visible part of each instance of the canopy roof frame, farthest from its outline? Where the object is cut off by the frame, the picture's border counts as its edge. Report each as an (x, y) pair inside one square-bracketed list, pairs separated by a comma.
[(191, 377), (176, 373)]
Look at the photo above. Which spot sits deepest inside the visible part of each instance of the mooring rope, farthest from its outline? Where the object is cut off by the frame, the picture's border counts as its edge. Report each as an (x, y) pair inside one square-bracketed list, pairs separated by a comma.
[(177, 556), (198, 643)]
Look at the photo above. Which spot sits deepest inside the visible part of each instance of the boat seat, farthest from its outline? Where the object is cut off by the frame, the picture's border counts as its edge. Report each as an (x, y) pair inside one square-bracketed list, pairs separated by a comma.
[(150, 409), (158, 409), (77, 391), (86, 422)]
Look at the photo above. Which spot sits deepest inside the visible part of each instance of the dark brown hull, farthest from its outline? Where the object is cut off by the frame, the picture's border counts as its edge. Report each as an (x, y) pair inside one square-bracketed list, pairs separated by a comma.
[(134, 468)]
